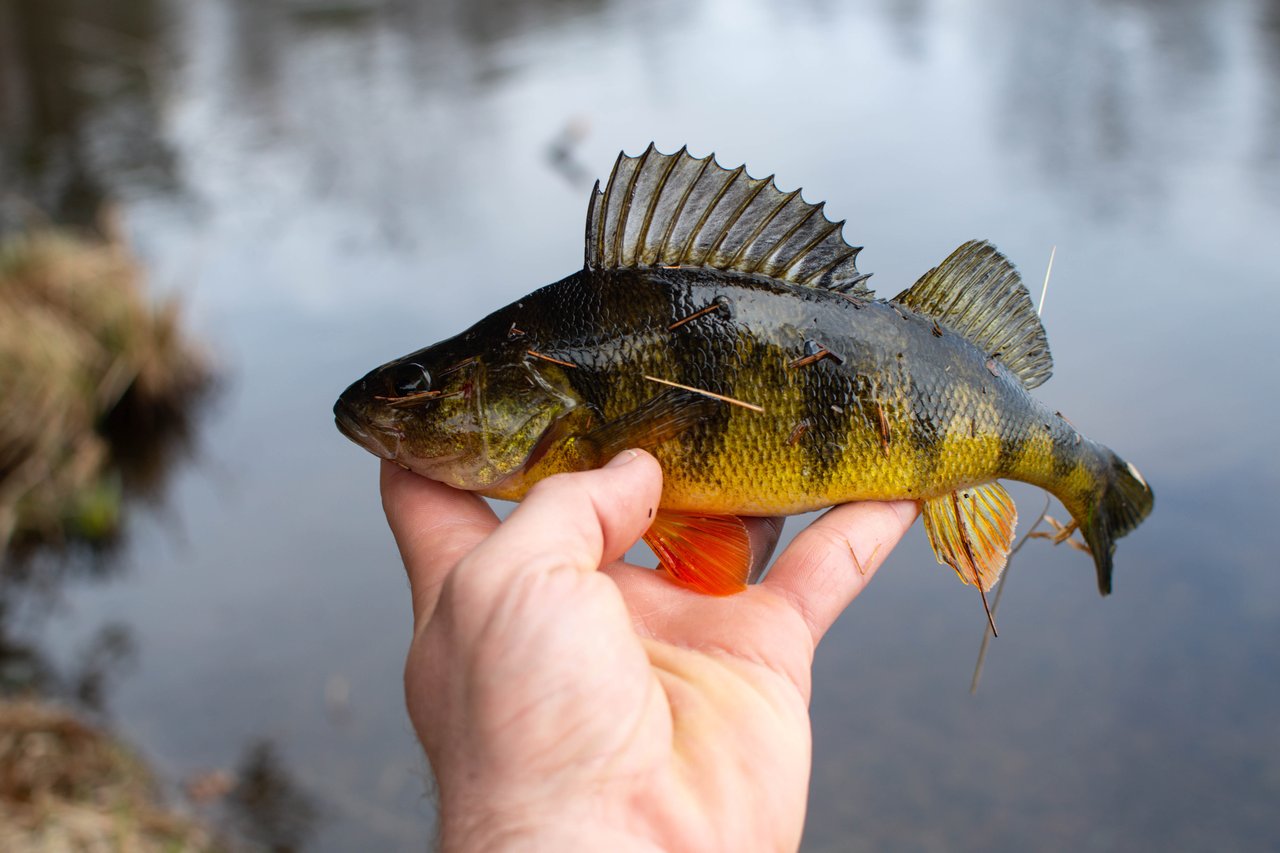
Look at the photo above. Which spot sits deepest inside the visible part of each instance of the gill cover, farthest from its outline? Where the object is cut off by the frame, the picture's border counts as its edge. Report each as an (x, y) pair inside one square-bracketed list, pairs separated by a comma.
[(515, 405)]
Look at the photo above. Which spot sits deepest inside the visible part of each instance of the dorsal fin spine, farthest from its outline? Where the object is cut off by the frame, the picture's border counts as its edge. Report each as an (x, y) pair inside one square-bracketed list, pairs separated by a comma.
[(684, 199), (604, 206), (653, 202), (764, 223), (593, 228), (737, 214), (820, 271), (620, 232), (782, 241), (674, 210), (691, 241), (822, 235)]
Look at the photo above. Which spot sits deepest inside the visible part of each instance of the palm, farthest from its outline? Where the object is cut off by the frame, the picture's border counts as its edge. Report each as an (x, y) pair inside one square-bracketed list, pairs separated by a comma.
[(735, 680), (572, 701)]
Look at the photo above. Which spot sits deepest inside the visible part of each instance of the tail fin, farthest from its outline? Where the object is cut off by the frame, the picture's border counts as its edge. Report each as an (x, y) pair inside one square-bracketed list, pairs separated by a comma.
[(1125, 500)]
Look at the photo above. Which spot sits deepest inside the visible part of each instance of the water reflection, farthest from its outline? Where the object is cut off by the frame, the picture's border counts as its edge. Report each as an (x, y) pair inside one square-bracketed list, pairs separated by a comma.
[(563, 153), (266, 804), (27, 669), (1110, 102), (1267, 148), (24, 668), (105, 658), (79, 107)]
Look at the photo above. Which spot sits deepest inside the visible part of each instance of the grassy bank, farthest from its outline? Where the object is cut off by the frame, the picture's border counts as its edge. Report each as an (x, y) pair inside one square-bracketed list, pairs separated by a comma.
[(96, 380), (67, 786), (97, 386)]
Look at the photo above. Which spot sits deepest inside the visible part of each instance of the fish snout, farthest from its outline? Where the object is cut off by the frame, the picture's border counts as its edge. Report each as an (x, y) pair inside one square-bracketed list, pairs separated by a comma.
[(352, 416), (348, 421)]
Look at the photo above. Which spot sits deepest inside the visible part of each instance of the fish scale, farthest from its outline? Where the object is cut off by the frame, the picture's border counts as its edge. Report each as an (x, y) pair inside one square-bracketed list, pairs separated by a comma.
[(723, 325)]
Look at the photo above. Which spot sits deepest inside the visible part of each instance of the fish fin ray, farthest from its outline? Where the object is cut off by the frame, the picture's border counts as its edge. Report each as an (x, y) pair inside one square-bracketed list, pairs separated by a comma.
[(679, 210), (658, 419), (979, 295), (971, 530), (708, 553)]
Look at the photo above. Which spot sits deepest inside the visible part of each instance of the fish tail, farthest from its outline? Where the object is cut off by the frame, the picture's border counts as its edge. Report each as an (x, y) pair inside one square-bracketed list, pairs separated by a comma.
[(1121, 500)]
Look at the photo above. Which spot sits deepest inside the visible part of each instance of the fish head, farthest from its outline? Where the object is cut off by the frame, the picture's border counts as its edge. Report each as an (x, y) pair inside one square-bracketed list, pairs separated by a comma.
[(467, 419)]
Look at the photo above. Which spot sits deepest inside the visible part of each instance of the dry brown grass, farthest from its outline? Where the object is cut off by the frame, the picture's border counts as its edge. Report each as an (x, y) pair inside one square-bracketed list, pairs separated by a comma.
[(80, 344), (65, 786)]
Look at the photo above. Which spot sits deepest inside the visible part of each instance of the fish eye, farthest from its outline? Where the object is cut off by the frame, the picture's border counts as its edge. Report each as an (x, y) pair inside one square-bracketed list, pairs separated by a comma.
[(410, 378)]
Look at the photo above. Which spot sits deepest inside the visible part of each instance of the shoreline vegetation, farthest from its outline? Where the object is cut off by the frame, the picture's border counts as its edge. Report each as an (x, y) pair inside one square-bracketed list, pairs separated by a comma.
[(67, 785), (99, 385)]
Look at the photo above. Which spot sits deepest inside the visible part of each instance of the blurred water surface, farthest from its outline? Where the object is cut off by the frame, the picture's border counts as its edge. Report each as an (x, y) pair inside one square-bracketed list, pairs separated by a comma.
[(331, 183)]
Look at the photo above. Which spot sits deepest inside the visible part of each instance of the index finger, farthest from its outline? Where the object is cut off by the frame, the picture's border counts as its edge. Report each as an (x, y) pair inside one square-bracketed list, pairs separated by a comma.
[(434, 526), (830, 562)]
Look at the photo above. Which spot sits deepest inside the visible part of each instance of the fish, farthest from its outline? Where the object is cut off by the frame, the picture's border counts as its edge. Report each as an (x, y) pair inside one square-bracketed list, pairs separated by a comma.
[(723, 325)]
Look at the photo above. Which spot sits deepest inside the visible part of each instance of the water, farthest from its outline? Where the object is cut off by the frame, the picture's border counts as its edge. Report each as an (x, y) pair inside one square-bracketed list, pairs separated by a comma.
[(330, 184)]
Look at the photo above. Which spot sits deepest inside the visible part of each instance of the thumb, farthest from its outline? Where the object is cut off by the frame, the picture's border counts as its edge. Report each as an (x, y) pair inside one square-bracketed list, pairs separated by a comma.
[(577, 521)]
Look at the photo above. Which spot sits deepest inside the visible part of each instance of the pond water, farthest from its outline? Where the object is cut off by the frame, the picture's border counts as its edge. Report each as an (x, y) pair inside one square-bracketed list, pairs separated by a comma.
[(331, 183)]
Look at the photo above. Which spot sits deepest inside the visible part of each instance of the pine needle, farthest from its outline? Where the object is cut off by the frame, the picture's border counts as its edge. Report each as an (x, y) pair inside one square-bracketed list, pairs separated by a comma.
[(752, 406), (1045, 289)]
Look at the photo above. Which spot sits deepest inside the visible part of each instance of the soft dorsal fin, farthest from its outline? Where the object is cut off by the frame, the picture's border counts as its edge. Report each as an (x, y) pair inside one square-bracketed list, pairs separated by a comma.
[(679, 210), (977, 293)]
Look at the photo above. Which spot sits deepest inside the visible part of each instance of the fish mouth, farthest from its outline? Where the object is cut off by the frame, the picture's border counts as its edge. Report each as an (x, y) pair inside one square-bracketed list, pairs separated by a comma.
[(349, 425)]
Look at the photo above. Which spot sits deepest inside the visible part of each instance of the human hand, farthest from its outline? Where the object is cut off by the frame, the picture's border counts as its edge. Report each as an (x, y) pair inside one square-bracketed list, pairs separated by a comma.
[(568, 700)]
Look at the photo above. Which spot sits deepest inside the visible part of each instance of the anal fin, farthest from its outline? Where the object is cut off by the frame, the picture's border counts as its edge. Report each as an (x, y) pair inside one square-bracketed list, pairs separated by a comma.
[(971, 530), (709, 553)]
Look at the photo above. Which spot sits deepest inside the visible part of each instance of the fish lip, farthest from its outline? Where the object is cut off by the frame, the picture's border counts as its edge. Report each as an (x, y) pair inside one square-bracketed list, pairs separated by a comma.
[(349, 425)]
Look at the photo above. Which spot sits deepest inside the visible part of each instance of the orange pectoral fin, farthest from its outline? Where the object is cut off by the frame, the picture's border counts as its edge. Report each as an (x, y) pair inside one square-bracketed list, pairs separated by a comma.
[(709, 553)]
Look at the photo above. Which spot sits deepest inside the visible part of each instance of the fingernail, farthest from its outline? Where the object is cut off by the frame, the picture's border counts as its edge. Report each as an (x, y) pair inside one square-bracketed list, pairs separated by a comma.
[(622, 459)]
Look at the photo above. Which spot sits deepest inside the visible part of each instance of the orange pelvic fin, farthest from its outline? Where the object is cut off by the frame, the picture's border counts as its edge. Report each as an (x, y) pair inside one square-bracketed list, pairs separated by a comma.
[(708, 553)]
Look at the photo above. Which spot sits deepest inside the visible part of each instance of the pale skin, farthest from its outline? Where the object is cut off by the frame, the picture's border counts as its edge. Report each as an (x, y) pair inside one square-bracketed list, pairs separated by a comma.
[(568, 700)]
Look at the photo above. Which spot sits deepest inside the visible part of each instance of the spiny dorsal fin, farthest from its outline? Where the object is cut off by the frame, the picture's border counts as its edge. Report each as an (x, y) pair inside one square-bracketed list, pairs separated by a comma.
[(678, 210), (977, 293)]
